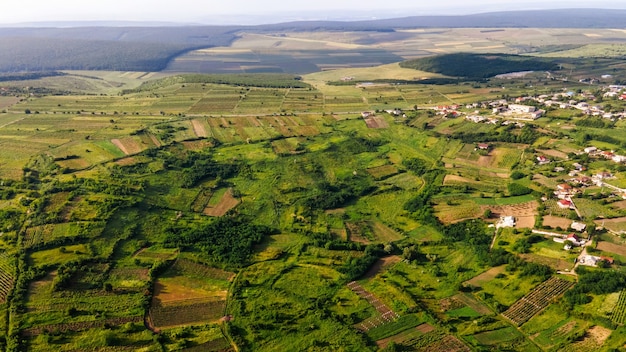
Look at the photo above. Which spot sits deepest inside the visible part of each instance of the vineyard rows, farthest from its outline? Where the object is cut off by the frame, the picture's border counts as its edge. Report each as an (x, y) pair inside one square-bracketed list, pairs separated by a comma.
[(618, 314), (535, 301), (448, 344), (202, 199), (386, 314), (6, 276), (427, 339), (185, 313)]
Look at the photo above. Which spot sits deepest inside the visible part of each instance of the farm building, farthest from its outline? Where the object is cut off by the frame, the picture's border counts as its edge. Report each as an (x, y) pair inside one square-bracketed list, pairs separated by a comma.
[(482, 146), (564, 187), (590, 150), (564, 204), (506, 221), (578, 226), (522, 108), (576, 241)]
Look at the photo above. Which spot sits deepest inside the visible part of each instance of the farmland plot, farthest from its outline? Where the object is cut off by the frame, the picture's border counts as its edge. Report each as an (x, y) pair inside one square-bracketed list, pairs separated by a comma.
[(189, 293), (6, 276), (536, 300), (618, 315), (225, 203)]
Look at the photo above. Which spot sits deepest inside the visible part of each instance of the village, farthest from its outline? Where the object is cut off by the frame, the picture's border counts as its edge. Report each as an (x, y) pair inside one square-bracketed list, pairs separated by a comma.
[(530, 108)]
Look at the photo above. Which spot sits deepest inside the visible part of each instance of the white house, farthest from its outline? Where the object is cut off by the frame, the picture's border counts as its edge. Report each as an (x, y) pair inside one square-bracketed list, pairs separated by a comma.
[(578, 226)]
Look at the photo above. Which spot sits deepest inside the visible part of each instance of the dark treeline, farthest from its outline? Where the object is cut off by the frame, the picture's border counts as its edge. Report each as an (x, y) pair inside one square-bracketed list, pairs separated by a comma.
[(478, 66), (263, 80), (594, 122), (28, 76), (527, 135)]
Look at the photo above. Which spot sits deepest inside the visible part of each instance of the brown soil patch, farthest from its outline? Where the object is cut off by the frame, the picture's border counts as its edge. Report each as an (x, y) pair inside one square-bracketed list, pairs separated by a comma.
[(553, 153), (452, 179), (119, 144), (565, 329), (619, 205), (485, 277), (525, 222), (524, 212), (599, 334), (198, 128), (169, 293), (133, 145), (339, 211), (425, 328), (197, 145), (154, 140), (594, 338), (450, 303), (128, 145), (355, 233), (484, 160), (381, 264), (46, 281), (556, 221), (5, 102), (253, 121), (376, 122), (227, 203), (126, 161), (612, 248)]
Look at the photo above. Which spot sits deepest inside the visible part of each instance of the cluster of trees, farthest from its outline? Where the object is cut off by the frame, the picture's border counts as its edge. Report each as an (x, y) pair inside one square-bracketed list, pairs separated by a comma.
[(527, 135), (420, 205), (516, 189), (227, 240), (594, 122), (357, 266), (330, 196), (596, 282), (479, 66), (198, 166), (355, 145)]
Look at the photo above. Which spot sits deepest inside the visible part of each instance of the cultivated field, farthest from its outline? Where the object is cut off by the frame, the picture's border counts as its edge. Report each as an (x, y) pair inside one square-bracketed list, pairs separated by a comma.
[(535, 301)]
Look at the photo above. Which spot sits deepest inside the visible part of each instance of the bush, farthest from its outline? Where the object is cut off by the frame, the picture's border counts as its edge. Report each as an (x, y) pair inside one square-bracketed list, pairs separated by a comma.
[(515, 189)]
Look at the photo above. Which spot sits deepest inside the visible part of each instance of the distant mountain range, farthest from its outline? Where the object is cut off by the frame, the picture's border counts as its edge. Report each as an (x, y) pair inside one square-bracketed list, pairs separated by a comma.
[(554, 18), (141, 46)]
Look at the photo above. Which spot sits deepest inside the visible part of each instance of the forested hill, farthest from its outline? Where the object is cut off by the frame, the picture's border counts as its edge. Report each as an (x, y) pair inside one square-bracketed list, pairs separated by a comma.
[(103, 48), (152, 48), (479, 66)]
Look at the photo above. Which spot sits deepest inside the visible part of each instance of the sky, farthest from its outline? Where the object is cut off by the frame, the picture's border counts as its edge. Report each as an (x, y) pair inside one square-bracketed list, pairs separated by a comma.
[(262, 11)]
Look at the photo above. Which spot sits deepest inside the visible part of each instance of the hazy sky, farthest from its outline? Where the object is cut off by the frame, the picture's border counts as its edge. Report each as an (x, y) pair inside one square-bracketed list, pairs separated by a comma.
[(229, 10)]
